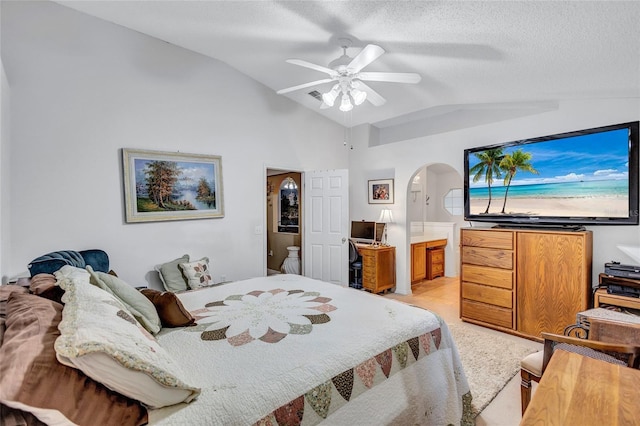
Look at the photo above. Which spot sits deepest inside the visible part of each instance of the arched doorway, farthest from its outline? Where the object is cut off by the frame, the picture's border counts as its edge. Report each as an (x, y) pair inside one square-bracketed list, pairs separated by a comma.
[(435, 210)]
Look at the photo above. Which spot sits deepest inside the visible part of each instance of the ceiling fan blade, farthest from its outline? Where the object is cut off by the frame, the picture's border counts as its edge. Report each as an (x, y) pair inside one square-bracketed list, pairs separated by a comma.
[(302, 86), (306, 64), (391, 77), (372, 96), (370, 53)]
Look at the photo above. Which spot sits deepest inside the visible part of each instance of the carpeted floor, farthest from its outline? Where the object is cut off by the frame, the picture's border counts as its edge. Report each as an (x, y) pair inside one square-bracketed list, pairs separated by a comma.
[(490, 360)]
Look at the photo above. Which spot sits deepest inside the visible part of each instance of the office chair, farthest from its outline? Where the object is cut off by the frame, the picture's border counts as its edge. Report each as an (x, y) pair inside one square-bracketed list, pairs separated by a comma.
[(355, 266)]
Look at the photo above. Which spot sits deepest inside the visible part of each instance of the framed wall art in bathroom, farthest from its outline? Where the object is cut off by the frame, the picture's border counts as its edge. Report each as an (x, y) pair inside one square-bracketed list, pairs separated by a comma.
[(160, 186)]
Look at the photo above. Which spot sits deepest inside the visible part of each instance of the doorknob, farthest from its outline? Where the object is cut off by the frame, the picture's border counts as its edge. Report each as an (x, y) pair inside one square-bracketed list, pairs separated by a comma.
[(344, 240)]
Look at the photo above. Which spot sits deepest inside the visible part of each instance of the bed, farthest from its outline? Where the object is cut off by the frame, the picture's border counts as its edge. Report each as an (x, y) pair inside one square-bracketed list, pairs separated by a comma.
[(275, 350)]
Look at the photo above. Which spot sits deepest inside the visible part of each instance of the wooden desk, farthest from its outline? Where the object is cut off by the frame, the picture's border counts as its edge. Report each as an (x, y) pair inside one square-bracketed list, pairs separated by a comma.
[(427, 260), (577, 390), (378, 267)]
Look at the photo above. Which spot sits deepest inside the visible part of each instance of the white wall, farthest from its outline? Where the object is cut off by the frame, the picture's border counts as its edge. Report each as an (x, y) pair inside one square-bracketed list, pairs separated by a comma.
[(83, 88), (5, 174), (401, 160)]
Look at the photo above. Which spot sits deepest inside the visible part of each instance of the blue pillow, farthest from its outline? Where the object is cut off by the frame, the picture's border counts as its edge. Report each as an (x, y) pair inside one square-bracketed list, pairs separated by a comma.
[(51, 262)]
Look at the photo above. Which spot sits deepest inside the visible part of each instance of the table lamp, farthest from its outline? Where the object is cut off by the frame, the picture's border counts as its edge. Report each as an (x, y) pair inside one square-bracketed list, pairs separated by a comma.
[(386, 217)]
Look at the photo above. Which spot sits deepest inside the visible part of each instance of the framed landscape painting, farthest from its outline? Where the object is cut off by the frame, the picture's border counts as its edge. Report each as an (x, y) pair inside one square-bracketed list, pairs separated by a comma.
[(162, 186), (381, 191)]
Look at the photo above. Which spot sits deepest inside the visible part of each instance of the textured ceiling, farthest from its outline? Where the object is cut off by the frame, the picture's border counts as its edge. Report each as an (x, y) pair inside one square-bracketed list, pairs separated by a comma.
[(475, 55)]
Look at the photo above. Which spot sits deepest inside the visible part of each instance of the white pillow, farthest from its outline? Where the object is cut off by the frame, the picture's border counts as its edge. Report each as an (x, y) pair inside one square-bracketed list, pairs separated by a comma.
[(100, 337), (197, 273), (135, 302)]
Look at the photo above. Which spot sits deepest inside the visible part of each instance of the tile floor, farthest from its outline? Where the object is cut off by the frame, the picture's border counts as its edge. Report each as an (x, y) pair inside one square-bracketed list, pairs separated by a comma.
[(442, 296)]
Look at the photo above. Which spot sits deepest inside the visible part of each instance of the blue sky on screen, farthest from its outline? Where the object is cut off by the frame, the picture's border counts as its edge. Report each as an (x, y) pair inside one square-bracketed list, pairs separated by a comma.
[(599, 156)]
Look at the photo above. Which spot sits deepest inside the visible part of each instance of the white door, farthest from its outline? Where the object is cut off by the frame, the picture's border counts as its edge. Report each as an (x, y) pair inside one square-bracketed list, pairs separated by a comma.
[(326, 225)]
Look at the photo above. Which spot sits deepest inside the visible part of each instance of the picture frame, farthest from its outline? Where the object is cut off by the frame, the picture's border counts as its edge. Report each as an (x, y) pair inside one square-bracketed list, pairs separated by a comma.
[(191, 186), (381, 191)]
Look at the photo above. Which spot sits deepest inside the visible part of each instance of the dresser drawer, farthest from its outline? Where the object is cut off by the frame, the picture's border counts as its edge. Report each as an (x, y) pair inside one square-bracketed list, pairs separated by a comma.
[(369, 273), (487, 313), (369, 262), (490, 295), (496, 258), (488, 239), (437, 267), (494, 277), (437, 256)]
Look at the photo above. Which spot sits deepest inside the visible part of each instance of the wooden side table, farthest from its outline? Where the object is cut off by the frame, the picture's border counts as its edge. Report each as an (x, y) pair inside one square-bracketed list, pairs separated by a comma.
[(578, 390)]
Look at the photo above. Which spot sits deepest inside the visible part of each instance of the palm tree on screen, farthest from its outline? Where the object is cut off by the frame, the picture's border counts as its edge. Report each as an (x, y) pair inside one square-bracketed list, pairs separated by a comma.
[(489, 167), (511, 163)]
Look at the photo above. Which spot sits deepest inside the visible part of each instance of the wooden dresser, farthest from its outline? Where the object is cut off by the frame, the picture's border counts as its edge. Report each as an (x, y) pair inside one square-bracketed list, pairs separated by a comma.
[(378, 267), (524, 281), (488, 277)]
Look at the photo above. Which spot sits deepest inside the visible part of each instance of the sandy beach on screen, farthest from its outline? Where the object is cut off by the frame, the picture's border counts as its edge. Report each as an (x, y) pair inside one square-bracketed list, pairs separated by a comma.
[(591, 206)]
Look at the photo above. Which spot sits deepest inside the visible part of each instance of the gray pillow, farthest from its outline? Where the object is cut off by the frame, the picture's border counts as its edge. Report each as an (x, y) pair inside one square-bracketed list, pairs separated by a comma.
[(171, 275), (137, 303)]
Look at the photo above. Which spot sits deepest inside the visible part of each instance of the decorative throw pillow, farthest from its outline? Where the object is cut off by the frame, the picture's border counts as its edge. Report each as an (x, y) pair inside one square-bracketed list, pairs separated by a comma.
[(32, 379), (44, 285), (141, 308), (101, 338), (197, 273), (41, 282), (171, 275), (170, 309)]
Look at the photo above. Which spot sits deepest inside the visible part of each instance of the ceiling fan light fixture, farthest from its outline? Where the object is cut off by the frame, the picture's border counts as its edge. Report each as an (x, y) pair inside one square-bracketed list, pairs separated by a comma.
[(329, 98), (346, 104), (358, 96)]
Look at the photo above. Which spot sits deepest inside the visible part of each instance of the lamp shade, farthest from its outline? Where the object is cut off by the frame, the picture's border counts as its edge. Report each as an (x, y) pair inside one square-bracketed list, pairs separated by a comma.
[(358, 96), (386, 216), (346, 103), (329, 98)]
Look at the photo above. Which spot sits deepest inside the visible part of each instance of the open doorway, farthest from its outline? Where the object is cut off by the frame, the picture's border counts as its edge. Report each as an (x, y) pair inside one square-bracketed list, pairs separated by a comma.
[(283, 221), (435, 210)]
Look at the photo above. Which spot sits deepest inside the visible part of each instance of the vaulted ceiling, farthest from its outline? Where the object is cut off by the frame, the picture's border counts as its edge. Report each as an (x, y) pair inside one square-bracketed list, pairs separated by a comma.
[(491, 59)]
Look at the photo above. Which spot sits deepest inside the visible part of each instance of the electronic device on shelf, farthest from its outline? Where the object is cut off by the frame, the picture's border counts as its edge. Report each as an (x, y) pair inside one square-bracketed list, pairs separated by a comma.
[(621, 290), (584, 177), (618, 281), (615, 269)]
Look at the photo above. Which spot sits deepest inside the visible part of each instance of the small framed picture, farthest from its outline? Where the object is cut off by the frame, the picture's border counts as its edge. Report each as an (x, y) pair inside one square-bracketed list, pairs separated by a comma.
[(381, 191)]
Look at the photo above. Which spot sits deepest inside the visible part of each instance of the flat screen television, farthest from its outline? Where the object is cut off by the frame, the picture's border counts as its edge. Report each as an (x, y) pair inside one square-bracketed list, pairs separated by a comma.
[(585, 177)]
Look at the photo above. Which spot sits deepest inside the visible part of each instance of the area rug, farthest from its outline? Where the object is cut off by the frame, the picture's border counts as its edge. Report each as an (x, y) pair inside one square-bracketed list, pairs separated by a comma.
[(489, 359)]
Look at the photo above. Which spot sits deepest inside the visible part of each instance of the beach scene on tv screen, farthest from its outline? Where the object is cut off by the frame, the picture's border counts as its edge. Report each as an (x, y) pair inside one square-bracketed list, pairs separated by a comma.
[(580, 176)]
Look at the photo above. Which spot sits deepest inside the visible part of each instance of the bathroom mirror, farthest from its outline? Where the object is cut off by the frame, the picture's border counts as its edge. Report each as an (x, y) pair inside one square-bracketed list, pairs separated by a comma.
[(453, 202), (289, 207)]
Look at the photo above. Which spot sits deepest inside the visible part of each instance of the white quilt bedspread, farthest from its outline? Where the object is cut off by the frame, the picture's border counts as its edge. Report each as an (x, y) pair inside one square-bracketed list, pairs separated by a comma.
[(318, 352)]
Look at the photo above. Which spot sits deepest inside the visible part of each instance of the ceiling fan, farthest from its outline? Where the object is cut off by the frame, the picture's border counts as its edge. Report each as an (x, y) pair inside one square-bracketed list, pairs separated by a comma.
[(346, 72)]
